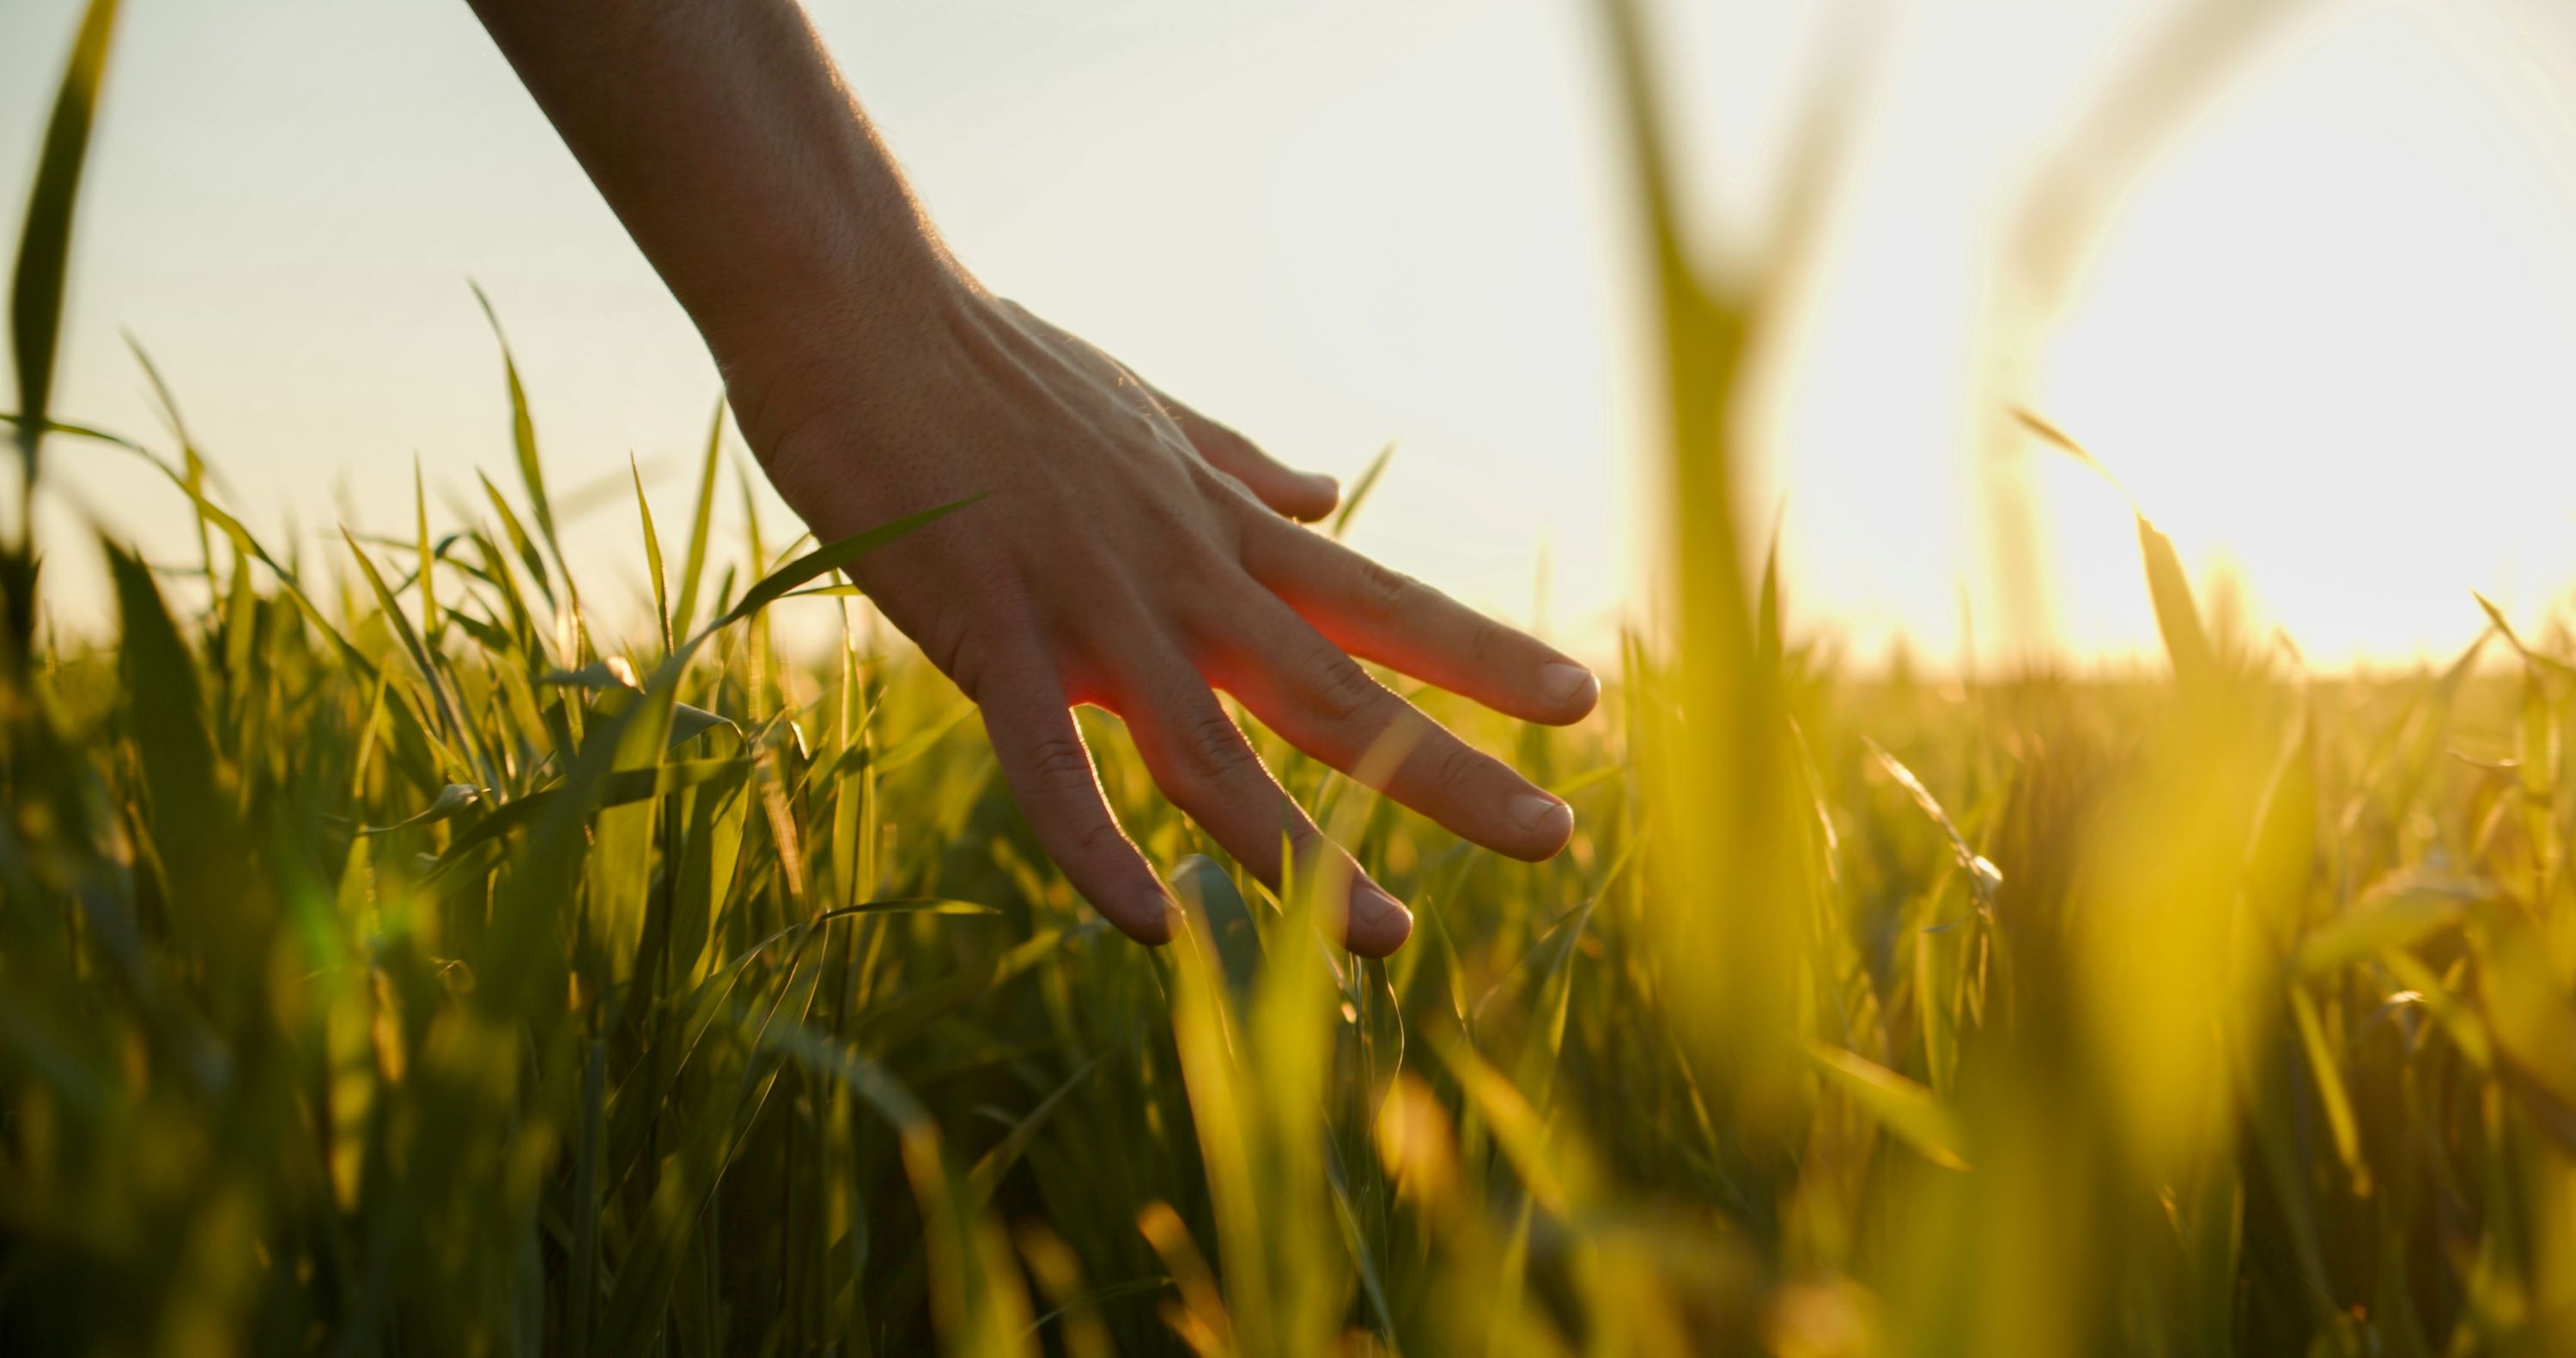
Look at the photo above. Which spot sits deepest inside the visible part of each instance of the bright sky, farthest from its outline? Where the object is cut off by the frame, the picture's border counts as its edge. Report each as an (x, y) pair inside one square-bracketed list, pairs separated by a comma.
[(2329, 338)]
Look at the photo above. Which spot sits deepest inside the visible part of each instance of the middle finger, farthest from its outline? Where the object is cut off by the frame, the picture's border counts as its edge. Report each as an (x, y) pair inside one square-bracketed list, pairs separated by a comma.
[(1305, 687)]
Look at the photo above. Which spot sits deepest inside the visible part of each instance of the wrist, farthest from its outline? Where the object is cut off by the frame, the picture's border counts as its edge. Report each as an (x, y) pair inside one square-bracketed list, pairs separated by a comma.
[(853, 332)]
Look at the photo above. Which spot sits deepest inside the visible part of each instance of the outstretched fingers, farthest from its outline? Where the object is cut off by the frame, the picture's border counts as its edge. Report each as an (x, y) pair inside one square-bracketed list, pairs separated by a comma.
[(1202, 762), (1051, 774), (1397, 621), (1324, 703)]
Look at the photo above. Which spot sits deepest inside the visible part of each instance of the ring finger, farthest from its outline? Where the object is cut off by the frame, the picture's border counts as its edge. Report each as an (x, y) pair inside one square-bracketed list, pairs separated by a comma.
[(1202, 762)]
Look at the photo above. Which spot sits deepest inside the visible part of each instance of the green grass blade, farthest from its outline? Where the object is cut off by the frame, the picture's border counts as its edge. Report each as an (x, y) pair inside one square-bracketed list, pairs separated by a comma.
[(2168, 585), (193, 827), (1555, 1178), (45, 243), (1208, 892), (453, 800), (831, 556), (1908, 1110), (890, 1025), (451, 724), (1767, 640), (2331, 1091), (581, 1286), (2177, 617), (988, 1171), (190, 457), (653, 557), (2065, 443), (523, 442), (22, 425), (428, 571), (1360, 490), (519, 540), (694, 565)]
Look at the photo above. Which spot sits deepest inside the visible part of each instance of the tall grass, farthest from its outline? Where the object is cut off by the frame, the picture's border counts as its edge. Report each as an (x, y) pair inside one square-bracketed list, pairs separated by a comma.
[(391, 963)]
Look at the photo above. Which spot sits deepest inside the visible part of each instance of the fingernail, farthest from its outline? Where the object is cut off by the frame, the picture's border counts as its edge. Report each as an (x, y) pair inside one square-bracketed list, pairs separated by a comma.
[(1540, 813), (1371, 905), (1378, 918), (1564, 681)]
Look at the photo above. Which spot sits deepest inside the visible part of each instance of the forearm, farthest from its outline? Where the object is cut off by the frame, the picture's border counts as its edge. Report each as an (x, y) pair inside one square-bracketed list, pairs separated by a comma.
[(722, 136)]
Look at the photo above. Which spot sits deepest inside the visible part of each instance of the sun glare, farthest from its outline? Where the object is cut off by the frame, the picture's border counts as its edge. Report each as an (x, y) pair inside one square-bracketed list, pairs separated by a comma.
[(2326, 347), (2322, 337)]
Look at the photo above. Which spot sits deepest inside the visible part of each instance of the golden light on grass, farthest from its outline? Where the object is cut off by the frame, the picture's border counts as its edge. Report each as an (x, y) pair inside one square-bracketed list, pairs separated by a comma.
[(420, 960)]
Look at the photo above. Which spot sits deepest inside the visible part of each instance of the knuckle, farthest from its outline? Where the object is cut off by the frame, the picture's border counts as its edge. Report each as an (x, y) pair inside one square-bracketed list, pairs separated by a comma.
[(1192, 555), (1097, 563), (1176, 519), (1307, 846), (1383, 587), (947, 651), (971, 642), (1236, 501), (1212, 747), (1343, 691), (1060, 762), (1218, 551), (1270, 545), (1098, 839), (1456, 768), (1219, 443)]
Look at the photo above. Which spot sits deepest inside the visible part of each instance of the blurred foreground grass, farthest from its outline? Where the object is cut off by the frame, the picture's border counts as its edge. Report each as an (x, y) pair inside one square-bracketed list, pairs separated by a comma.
[(389, 963)]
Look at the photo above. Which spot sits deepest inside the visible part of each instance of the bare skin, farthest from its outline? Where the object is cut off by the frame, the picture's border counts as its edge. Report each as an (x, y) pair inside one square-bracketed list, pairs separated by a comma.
[(1129, 553)]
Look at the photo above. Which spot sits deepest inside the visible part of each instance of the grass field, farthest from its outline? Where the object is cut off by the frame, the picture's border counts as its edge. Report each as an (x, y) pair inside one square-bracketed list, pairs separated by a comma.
[(391, 963)]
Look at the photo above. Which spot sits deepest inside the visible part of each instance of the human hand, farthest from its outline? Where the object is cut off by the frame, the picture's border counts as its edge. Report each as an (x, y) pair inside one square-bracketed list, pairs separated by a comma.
[(1135, 555)]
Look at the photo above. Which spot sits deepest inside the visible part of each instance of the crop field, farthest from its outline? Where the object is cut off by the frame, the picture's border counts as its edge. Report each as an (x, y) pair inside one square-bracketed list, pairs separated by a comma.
[(391, 962)]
